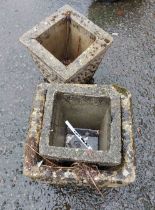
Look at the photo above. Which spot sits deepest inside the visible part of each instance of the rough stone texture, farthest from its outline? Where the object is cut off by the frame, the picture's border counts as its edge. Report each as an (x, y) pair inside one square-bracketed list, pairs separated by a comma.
[(129, 62), (112, 177), (90, 44), (89, 109)]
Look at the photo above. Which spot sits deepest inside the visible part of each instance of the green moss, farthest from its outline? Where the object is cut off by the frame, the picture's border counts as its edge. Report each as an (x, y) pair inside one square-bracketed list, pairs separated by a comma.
[(121, 89)]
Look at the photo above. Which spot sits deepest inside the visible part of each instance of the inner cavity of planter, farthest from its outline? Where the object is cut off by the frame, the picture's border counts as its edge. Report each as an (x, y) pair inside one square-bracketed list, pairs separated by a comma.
[(66, 40), (89, 136), (83, 112)]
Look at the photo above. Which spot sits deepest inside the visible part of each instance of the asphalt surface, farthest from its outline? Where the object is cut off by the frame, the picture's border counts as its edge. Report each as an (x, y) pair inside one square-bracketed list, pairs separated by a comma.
[(130, 62)]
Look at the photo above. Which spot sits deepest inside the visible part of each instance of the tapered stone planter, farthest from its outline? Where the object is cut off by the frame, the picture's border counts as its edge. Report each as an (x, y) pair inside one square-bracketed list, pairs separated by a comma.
[(67, 47), (57, 173)]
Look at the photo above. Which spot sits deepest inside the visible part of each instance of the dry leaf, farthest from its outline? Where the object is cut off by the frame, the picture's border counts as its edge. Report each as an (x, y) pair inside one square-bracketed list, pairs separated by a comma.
[(120, 12)]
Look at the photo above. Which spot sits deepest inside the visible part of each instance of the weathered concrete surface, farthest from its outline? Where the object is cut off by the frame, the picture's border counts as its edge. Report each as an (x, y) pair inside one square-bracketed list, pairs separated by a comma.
[(84, 106), (52, 171), (66, 46), (129, 62)]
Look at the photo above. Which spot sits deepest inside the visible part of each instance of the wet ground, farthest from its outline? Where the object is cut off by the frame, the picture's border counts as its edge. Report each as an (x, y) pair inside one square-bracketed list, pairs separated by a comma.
[(129, 62)]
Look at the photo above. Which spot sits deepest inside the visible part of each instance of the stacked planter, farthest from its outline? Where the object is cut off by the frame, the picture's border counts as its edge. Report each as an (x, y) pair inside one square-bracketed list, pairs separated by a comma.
[(68, 48)]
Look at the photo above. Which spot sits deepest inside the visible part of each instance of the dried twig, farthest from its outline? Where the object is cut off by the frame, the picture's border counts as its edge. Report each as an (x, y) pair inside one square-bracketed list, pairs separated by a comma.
[(88, 174), (94, 183), (139, 131), (52, 164), (81, 167)]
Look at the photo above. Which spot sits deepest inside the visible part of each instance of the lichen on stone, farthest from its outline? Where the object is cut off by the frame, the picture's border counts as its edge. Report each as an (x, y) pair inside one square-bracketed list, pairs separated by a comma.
[(121, 89)]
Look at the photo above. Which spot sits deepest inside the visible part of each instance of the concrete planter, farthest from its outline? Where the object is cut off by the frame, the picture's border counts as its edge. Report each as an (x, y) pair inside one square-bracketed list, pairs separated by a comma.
[(91, 107), (66, 46), (107, 177)]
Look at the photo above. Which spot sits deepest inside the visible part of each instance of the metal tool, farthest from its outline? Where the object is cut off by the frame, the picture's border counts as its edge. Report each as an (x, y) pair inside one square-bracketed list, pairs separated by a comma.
[(78, 135)]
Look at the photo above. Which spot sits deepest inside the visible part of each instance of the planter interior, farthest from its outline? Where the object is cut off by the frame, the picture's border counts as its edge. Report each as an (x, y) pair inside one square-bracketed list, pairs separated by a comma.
[(66, 40), (81, 111)]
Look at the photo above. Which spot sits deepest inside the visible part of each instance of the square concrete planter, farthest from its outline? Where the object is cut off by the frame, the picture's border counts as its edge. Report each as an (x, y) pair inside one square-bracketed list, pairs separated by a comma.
[(121, 175), (67, 47), (87, 107)]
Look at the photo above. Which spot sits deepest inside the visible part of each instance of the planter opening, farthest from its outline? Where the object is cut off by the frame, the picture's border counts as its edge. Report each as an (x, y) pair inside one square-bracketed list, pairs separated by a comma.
[(66, 40), (84, 113)]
